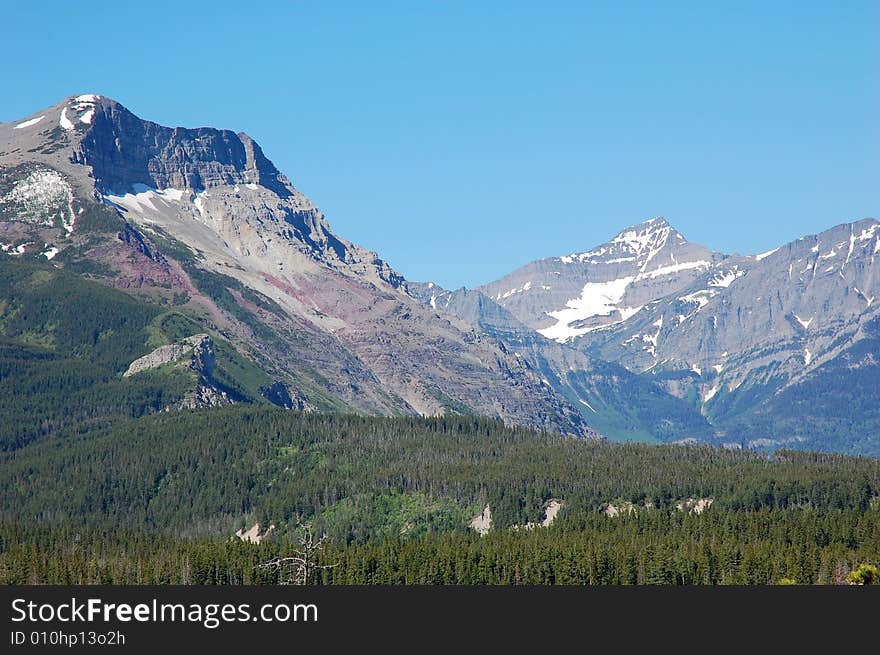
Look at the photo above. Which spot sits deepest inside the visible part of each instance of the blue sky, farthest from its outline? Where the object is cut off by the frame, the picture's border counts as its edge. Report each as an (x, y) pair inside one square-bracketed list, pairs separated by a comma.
[(462, 141)]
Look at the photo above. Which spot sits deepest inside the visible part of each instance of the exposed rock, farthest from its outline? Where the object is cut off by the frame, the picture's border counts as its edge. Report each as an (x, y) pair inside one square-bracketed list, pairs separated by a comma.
[(482, 522), (551, 509), (625, 507), (286, 396), (564, 297), (199, 347), (205, 396), (694, 505), (336, 316), (255, 535)]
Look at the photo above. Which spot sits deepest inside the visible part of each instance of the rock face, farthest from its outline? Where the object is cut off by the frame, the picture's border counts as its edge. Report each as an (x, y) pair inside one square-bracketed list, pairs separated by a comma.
[(124, 150), (198, 347), (551, 509), (482, 522), (809, 289), (283, 395), (198, 353), (204, 396), (209, 218), (255, 535)]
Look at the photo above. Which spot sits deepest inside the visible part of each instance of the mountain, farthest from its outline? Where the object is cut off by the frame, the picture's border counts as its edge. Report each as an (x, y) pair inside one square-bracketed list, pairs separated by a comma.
[(614, 401), (776, 348), (188, 250), (764, 343), (565, 297), (201, 229)]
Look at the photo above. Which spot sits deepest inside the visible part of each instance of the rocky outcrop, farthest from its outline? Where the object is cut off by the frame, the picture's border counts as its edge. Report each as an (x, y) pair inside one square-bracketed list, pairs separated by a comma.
[(205, 396), (551, 509), (283, 395), (622, 508), (198, 353), (694, 505), (255, 535), (482, 522), (199, 348)]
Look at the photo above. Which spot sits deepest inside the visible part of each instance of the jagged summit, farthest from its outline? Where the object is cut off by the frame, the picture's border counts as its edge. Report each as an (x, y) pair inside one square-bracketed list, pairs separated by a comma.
[(123, 150), (566, 297), (640, 242)]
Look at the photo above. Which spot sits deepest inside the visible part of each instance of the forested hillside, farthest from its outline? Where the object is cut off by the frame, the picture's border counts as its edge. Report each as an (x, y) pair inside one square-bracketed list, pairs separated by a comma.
[(158, 498)]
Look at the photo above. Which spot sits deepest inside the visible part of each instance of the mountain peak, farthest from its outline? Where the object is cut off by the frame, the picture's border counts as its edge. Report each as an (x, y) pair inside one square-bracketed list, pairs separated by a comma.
[(124, 150), (635, 243)]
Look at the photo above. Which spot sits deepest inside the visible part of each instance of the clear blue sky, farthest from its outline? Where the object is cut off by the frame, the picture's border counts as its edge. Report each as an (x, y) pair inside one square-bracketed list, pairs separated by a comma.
[(461, 142)]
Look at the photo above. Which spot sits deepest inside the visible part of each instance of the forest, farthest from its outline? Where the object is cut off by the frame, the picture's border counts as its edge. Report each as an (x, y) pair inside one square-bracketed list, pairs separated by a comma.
[(157, 499)]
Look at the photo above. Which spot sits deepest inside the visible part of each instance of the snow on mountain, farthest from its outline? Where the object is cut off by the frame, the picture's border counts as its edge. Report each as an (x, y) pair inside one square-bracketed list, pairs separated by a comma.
[(29, 123), (566, 297), (42, 197)]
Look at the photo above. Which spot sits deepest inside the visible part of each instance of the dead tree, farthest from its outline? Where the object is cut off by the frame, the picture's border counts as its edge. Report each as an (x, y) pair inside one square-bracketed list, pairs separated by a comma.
[(301, 567)]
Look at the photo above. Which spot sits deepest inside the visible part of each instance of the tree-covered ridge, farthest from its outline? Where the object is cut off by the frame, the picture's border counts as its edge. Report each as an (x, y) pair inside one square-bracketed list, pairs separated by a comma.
[(65, 342), (361, 477)]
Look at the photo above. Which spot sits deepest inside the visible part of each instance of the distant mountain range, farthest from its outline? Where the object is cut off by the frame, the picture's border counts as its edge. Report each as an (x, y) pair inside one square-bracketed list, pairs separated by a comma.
[(245, 294), (776, 348)]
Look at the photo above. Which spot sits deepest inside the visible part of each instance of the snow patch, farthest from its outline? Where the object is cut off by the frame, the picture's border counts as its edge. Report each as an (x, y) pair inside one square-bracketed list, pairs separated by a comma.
[(674, 268), (29, 123), (864, 297), (17, 250), (507, 294), (589, 406), (64, 121), (596, 299), (87, 97), (87, 117), (804, 324), (43, 197), (700, 298), (808, 357), (143, 197), (710, 394), (764, 255), (50, 253), (726, 278)]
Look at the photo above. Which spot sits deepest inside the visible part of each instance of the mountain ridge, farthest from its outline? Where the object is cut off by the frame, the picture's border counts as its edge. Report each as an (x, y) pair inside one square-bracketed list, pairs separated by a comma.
[(646, 336), (201, 212)]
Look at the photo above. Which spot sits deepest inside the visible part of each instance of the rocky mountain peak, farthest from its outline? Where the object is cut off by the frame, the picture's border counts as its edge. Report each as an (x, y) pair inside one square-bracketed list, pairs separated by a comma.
[(644, 245), (566, 297), (124, 150)]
